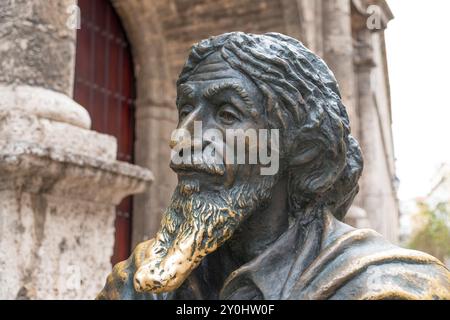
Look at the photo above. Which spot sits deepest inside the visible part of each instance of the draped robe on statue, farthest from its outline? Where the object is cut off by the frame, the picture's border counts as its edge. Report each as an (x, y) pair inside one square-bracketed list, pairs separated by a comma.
[(323, 259)]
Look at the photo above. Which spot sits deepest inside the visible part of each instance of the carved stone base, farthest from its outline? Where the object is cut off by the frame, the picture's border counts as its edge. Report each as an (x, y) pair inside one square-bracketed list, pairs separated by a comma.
[(59, 184)]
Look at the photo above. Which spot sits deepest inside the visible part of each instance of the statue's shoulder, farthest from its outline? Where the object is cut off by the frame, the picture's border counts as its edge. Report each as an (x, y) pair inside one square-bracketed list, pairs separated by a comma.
[(406, 274), (361, 264)]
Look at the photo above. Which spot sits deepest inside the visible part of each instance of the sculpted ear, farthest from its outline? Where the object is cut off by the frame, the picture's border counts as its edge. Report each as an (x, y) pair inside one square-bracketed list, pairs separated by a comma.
[(314, 170), (307, 153)]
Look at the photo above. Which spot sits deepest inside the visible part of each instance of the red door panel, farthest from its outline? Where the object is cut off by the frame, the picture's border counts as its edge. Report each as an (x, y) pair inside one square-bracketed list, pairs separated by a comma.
[(104, 85)]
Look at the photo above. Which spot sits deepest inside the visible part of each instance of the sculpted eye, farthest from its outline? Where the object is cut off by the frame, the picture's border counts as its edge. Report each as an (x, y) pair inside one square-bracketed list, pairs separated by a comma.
[(227, 114), (184, 111)]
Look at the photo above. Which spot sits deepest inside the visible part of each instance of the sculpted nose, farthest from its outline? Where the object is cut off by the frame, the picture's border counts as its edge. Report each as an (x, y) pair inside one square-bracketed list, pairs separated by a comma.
[(193, 144)]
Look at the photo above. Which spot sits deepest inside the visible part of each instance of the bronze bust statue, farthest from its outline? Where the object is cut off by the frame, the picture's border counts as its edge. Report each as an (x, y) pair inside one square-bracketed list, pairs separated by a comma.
[(231, 232)]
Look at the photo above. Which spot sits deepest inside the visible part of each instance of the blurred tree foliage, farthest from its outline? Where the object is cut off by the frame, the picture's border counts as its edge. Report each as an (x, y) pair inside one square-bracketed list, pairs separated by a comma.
[(432, 232)]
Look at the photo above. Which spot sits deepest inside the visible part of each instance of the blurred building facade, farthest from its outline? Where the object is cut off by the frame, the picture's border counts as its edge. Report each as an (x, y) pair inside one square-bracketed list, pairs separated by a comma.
[(425, 221), (439, 193), (440, 190), (87, 107)]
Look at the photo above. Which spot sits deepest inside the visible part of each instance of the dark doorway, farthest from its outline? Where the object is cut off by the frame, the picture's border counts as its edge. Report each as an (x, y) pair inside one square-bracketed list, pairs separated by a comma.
[(104, 85)]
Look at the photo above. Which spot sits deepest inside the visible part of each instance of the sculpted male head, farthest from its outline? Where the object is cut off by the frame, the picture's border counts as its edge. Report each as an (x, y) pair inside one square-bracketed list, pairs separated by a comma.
[(247, 81)]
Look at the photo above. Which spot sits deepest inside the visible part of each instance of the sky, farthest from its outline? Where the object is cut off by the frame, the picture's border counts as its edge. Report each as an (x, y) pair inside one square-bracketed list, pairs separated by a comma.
[(418, 49)]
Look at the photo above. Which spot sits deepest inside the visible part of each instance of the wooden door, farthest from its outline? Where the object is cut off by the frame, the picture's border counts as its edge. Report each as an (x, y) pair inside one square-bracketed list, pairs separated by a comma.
[(104, 85)]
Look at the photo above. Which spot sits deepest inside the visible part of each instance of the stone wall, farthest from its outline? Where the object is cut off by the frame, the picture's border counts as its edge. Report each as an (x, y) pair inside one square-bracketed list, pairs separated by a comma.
[(36, 46), (52, 248)]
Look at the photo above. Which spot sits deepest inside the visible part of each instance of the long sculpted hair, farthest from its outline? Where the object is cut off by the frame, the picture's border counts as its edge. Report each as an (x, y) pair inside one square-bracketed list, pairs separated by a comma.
[(303, 101)]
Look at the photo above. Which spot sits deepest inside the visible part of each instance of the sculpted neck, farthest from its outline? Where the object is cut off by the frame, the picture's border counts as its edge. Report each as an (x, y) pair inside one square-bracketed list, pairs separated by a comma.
[(262, 228)]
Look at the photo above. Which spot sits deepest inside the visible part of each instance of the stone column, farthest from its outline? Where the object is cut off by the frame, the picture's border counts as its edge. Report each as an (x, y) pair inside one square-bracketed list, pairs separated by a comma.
[(369, 138), (338, 54), (338, 51), (310, 13), (377, 191), (154, 125), (59, 181), (376, 181), (37, 48)]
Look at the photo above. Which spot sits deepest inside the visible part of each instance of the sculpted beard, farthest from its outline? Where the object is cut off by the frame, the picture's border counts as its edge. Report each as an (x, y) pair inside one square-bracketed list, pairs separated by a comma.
[(195, 224)]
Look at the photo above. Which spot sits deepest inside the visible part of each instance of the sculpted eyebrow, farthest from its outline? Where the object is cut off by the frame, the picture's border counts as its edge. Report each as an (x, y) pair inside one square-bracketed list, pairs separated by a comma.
[(216, 88), (185, 90)]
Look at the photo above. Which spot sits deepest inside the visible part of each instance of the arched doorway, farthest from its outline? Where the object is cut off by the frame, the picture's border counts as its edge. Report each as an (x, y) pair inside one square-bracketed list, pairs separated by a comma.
[(104, 85)]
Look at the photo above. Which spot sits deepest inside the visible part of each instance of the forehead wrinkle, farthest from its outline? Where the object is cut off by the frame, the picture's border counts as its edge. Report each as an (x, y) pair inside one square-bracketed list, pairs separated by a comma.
[(235, 87), (211, 67), (219, 87)]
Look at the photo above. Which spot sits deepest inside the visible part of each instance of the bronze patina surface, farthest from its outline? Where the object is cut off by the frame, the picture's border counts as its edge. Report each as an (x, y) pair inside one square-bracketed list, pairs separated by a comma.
[(230, 232)]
